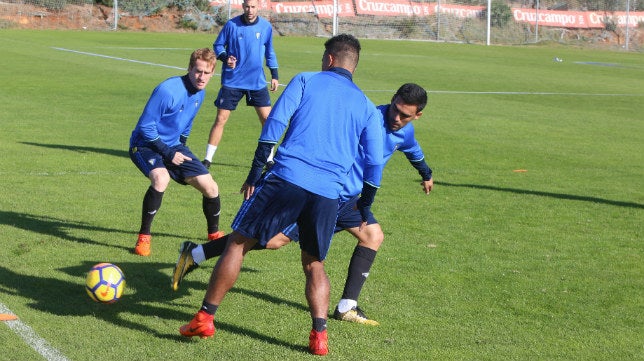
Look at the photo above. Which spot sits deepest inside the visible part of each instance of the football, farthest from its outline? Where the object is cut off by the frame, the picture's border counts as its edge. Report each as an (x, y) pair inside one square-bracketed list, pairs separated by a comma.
[(105, 283)]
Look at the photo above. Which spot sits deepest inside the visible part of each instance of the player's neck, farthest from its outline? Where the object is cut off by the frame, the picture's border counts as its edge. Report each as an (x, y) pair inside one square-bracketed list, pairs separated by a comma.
[(246, 22)]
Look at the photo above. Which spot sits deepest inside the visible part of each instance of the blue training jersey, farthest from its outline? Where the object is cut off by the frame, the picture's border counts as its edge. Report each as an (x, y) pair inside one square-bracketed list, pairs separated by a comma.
[(402, 140), (168, 114), (250, 44), (328, 119)]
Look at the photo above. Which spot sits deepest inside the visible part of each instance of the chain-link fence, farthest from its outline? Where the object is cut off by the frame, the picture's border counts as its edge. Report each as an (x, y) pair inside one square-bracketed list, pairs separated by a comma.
[(50, 14), (613, 24)]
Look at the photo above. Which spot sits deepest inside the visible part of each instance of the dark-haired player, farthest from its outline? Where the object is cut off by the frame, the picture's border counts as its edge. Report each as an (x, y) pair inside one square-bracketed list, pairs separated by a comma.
[(326, 118), (406, 105)]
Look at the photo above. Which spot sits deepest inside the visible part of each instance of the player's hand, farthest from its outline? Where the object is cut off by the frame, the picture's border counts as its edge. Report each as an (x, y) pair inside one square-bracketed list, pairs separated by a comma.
[(247, 190), (179, 158), (232, 61), (427, 185), (274, 84)]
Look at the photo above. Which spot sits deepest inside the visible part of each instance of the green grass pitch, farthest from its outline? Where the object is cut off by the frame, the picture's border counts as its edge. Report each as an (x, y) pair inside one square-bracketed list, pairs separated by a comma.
[(542, 264)]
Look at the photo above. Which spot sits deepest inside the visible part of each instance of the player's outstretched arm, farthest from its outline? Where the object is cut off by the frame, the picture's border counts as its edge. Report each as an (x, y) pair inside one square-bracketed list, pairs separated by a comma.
[(425, 172)]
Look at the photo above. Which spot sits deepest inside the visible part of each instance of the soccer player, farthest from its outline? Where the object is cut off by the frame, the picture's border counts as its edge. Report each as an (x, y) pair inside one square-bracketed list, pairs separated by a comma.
[(242, 45), (158, 145), (406, 105), (328, 117)]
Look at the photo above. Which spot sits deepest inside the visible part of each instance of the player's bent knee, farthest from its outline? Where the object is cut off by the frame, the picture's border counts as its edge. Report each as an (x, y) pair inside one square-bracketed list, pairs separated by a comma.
[(373, 241), (160, 179)]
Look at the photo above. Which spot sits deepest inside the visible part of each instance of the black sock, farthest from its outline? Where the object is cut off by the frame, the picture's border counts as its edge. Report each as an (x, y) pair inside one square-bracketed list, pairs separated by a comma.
[(359, 267), (211, 209), (209, 308), (215, 248), (151, 204), (319, 324)]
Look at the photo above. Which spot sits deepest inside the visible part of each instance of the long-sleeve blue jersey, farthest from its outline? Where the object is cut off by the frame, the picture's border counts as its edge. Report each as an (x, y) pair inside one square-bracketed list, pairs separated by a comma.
[(250, 44), (168, 114), (328, 118), (402, 140)]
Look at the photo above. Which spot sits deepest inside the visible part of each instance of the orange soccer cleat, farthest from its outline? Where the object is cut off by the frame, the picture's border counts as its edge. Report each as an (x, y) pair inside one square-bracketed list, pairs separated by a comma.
[(202, 325), (215, 236), (318, 343), (142, 247)]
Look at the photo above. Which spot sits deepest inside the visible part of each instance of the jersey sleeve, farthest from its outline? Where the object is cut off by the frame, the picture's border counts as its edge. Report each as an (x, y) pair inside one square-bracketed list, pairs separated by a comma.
[(410, 146), (414, 153), (219, 46), (152, 113), (269, 52), (283, 110), (372, 144)]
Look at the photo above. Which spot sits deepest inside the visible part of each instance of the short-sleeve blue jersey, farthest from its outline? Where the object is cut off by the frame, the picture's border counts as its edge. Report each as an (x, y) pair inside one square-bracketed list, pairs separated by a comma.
[(168, 114), (328, 118), (250, 44), (402, 140)]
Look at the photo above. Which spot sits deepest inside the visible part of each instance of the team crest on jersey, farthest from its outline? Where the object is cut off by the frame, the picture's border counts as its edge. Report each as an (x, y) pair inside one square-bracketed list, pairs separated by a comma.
[(257, 35)]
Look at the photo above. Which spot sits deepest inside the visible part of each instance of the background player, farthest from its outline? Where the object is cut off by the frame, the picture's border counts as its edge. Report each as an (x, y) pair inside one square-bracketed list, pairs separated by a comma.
[(242, 45)]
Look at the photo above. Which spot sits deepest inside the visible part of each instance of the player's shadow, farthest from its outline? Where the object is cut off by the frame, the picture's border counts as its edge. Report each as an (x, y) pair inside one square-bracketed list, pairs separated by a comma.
[(187, 285), (55, 227), (60, 228), (269, 298), (146, 288), (80, 149), (242, 331), (571, 197), (147, 294), (112, 152)]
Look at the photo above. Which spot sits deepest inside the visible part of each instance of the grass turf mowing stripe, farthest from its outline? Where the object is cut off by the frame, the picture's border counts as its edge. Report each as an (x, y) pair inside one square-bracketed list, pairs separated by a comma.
[(367, 90)]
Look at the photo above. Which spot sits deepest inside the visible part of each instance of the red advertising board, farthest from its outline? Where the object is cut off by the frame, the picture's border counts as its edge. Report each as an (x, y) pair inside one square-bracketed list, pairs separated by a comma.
[(553, 18), (576, 19), (323, 9)]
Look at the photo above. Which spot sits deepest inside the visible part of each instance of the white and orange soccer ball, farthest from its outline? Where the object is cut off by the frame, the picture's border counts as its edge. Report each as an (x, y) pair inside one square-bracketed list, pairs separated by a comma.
[(105, 283)]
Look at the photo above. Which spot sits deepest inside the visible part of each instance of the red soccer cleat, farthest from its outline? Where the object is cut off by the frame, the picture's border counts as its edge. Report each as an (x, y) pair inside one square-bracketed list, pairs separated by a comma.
[(318, 343), (202, 325), (142, 247), (215, 236)]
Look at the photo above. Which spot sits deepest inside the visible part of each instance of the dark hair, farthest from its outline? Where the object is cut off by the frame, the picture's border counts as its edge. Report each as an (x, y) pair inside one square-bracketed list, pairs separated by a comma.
[(412, 94), (345, 47)]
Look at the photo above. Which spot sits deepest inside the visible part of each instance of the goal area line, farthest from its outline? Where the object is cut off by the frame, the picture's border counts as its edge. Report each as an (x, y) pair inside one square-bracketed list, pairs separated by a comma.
[(371, 90)]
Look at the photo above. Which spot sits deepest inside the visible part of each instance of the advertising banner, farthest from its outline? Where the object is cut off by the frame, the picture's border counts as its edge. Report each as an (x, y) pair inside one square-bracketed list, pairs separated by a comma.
[(323, 9), (552, 18)]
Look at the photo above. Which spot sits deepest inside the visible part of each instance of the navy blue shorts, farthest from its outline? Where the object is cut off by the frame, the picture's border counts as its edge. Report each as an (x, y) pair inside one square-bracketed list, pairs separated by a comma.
[(348, 217), (229, 97), (276, 203), (147, 159)]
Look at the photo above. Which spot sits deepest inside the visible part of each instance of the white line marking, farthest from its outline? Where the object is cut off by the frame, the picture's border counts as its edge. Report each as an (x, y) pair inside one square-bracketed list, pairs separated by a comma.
[(133, 48), (513, 93), (117, 58), (32, 339), (536, 93), (375, 90)]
